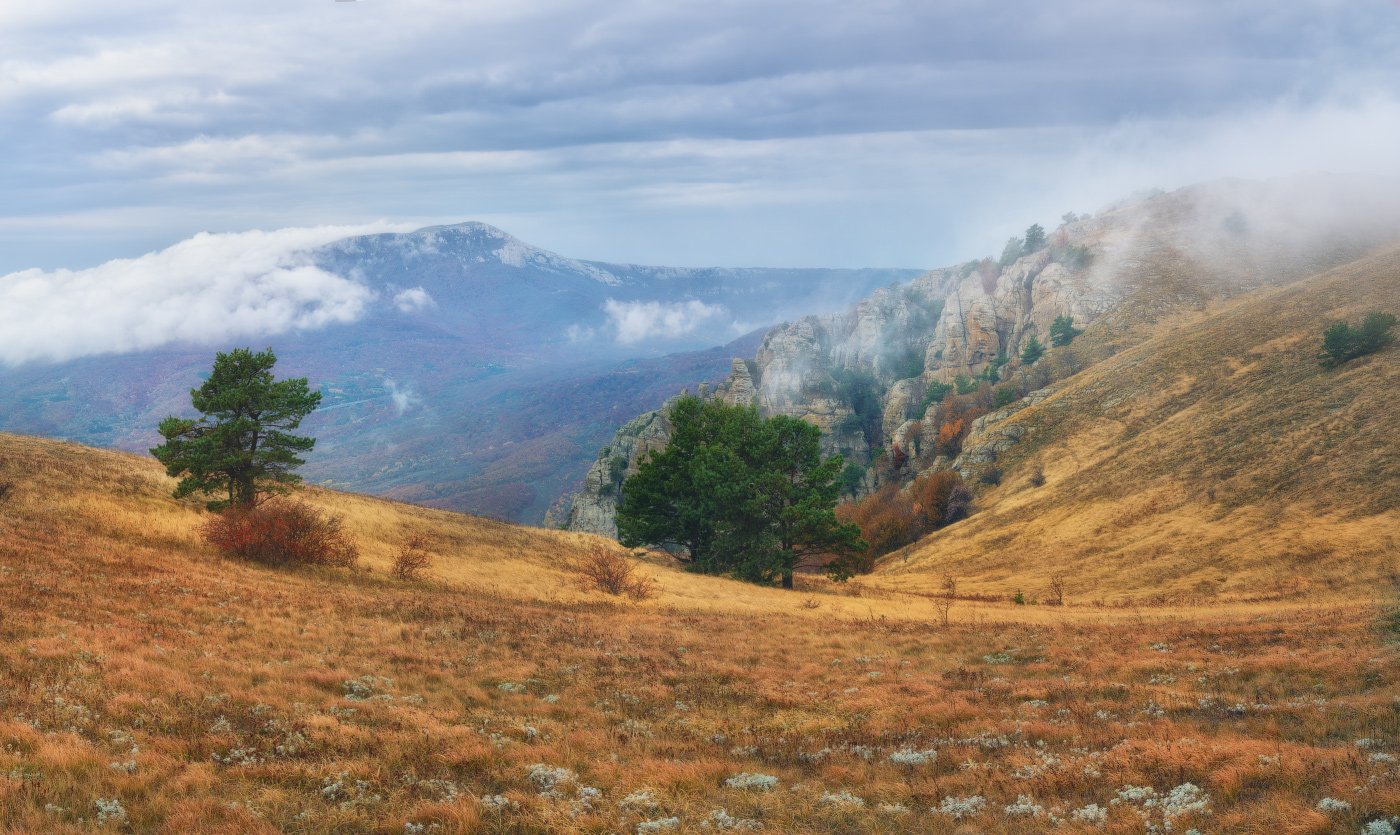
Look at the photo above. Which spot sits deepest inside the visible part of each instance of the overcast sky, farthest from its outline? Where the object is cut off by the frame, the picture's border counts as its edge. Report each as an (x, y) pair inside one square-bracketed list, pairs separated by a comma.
[(737, 132)]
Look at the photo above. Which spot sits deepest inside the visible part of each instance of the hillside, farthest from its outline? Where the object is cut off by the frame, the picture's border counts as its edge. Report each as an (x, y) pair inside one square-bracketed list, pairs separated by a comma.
[(482, 374), (1215, 460), (148, 686), (869, 376)]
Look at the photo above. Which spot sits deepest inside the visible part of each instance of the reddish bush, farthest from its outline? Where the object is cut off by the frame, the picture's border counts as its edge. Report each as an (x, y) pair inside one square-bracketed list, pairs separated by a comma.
[(608, 570), (950, 437), (412, 558), (281, 532), (898, 457), (891, 518)]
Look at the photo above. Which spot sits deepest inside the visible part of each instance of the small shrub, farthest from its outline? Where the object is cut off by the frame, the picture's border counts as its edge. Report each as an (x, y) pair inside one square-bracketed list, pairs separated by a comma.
[(992, 475), (1018, 598), (992, 372), (944, 604), (281, 532), (934, 393), (6, 490), (608, 570), (412, 558), (1076, 257), (1057, 589), (1342, 342), (950, 437), (1037, 477)]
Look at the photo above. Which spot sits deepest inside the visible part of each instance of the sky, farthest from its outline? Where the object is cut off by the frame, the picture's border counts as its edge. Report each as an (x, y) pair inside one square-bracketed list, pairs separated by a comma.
[(723, 132)]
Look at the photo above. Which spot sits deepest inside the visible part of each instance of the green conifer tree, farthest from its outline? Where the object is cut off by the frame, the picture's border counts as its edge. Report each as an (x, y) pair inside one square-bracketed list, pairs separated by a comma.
[(241, 447)]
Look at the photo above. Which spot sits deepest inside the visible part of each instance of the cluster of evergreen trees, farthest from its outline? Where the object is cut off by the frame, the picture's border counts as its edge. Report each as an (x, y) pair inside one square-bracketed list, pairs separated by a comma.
[(738, 494)]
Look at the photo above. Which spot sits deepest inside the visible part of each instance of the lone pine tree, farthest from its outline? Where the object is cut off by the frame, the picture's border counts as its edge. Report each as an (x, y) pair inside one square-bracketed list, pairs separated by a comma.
[(241, 447)]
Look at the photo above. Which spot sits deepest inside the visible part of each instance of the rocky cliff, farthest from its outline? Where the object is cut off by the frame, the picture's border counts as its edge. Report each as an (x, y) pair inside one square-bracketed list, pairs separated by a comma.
[(862, 376)]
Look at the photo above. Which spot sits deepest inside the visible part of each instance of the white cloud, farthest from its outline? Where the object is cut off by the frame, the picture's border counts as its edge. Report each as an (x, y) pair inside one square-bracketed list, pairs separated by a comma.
[(209, 289), (579, 333), (404, 398), (636, 321), (413, 300)]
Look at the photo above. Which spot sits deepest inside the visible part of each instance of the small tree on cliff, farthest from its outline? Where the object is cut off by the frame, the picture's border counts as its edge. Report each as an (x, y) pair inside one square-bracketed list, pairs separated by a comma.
[(241, 447), (1035, 239), (1032, 351), (1063, 331), (739, 495)]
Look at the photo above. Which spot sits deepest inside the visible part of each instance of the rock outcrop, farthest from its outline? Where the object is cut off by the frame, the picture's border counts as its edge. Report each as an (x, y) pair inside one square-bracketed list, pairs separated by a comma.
[(993, 434), (595, 507), (861, 376)]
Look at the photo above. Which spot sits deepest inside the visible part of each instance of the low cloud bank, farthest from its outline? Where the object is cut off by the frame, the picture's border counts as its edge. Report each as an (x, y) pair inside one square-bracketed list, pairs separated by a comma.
[(210, 289), (638, 321)]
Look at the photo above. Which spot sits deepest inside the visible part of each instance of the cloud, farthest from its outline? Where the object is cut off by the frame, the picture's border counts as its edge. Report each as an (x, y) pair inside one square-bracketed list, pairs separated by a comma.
[(629, 130), (638, 321), (413, 300), (403, 398), (579, 333), (209, 289)]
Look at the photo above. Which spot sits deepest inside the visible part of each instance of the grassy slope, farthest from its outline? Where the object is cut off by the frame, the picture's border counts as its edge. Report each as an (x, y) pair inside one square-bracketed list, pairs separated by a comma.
[(210, 696), (1215, 461)]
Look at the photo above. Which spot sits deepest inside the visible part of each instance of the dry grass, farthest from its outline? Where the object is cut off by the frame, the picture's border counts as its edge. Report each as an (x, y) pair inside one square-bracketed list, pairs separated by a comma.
[(1214, 462), (208, 695)]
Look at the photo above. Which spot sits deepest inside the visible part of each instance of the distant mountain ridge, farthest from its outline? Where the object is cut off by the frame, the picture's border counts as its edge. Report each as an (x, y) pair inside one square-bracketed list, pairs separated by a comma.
[(482, 375)]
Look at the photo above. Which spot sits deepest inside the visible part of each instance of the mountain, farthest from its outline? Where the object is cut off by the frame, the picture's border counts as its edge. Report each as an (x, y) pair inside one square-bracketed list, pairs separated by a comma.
[(871, 377), (482, 376)]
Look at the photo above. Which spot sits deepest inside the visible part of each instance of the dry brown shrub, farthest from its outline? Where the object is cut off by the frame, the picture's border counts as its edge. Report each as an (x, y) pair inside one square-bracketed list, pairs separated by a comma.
[(892, 517), (412, 558), (281, 532), (612, 572), (944, 604)]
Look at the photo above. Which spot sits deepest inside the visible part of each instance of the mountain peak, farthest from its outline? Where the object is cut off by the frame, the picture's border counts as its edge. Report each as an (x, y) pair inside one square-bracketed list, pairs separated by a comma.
[(475, 228)]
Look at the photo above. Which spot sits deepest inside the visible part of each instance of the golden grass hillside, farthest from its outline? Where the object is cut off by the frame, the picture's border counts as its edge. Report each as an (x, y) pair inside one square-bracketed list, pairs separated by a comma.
[(1216, 461), (146, 685)]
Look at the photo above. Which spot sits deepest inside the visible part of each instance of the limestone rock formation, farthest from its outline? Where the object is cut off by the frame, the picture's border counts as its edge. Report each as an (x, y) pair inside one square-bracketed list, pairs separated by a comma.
[(861, 375), (994, 433), (595, 507)]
